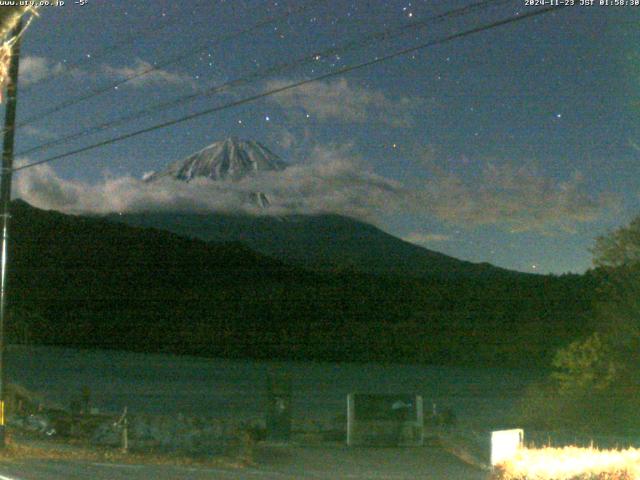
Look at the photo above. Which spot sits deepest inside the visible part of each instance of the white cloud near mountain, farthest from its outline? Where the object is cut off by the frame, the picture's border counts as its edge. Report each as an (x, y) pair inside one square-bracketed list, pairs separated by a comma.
[(517, 199), (333, 179), (329, 181), (43, 188), (422, 238), (143, 73), (342, 101)]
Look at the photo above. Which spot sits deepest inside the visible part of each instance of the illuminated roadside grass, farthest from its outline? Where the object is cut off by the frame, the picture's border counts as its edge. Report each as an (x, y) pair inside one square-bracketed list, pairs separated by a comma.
[(20, 450), (571, 463)]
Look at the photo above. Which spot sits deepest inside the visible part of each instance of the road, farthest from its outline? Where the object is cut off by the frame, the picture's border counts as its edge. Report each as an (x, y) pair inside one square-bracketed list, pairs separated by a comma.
[(277, 463)]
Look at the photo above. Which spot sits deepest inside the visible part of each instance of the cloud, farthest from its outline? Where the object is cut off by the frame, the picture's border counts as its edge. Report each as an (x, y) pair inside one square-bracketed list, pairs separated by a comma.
[(421, 238), (339, 100), (143, 74), (334, 180), (330, 180), (283, 137), (38, 132), (517, 199), (34, 69), (286, 139)]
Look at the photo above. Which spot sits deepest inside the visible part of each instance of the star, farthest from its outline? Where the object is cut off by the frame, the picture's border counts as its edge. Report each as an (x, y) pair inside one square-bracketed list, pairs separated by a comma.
[(267, 118)]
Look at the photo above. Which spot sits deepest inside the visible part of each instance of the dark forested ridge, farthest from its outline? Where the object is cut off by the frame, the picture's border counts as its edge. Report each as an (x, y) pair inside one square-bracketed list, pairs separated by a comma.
[(324, 242), (87, 282)]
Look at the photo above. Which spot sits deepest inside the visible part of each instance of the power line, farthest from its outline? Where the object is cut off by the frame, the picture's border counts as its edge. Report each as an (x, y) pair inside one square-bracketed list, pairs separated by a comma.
[(353, 44), (175, 59), (499, 23)]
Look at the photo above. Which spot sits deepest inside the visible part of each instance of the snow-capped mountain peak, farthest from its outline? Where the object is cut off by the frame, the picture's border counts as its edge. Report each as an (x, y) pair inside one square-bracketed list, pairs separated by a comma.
[(230, 159)]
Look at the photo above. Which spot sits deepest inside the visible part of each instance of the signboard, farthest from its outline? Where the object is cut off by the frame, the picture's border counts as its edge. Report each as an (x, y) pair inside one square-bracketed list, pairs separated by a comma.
[(505, 444)]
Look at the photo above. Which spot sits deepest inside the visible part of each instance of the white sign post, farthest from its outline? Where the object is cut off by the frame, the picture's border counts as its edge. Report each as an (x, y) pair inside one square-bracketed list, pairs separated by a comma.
[(505, 444)]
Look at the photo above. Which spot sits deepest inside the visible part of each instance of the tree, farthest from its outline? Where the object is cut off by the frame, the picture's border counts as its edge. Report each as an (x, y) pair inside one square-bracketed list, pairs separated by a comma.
[(584, 365), (597, 378), (617, 256), (619, 248)]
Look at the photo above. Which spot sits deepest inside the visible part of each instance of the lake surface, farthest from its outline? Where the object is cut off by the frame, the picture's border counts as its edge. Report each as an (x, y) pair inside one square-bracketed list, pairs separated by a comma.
[(167, 384)]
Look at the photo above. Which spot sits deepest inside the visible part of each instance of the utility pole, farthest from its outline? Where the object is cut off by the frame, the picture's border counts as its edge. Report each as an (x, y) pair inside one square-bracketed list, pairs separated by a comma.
[(5, 199)]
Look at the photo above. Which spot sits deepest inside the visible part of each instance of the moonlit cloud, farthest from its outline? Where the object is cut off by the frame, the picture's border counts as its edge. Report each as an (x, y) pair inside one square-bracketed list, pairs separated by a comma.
[(332, 179), (283, 137), (143, 73), (34, 69), (517, 199), (346, 102), (421, 238), (38, 132)]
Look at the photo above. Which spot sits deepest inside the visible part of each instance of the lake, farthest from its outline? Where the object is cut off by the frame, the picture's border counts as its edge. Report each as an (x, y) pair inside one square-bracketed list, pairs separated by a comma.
[(169, 384)]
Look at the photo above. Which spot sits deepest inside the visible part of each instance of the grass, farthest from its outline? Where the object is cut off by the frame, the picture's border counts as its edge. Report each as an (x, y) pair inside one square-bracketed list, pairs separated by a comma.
[(24, 448), (571, 463), (547, 463)]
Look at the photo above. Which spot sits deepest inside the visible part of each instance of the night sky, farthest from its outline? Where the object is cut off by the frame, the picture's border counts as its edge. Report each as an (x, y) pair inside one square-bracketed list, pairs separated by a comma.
[(515, 146)]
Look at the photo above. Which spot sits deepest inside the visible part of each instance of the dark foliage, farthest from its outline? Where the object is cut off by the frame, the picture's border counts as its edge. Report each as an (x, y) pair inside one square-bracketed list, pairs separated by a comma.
[(324, 242), (90, 283)]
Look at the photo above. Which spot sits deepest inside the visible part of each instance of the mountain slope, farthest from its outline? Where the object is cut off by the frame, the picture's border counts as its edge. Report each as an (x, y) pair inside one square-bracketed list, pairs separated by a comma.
[(319, 242)]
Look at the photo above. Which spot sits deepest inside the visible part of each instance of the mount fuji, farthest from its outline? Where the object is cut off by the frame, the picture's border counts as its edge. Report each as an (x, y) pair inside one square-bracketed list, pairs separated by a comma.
[(231, 159), (318, 242)]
